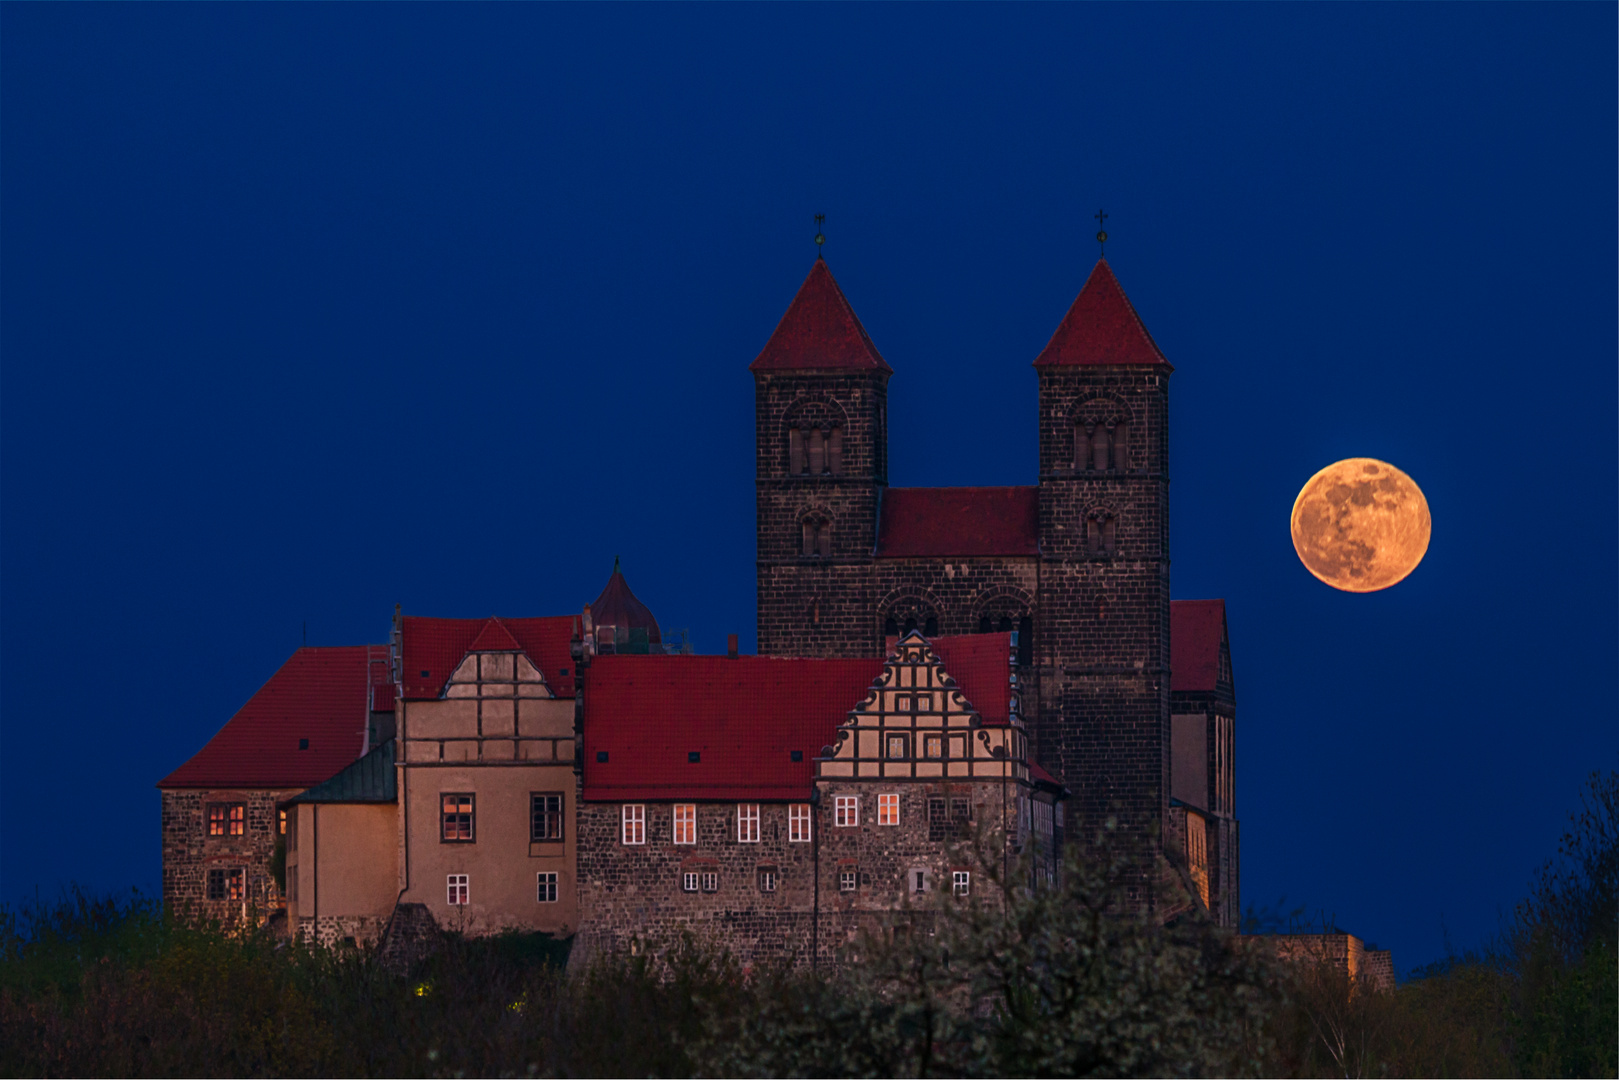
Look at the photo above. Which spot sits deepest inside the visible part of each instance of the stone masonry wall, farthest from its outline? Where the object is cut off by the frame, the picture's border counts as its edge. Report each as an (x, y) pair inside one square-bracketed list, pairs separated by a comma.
[(189, 852), (631, 896)]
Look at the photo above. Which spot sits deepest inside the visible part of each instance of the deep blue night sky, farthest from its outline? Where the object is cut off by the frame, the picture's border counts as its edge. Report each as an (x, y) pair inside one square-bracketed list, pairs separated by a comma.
[(308, 310)]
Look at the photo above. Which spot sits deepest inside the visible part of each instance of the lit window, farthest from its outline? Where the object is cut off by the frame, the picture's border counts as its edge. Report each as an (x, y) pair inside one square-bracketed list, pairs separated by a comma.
[(767, 879), (685, 823), (456, 814), (227, 883), (933, 746), (847, 880), (544, 816), (688, 882), (634, 824), (798, 823), (846, 809), (227, 819), (457, 890), (902, 702), (711, 881), (747, 823), (923, 702), (896, 746), (960, 882), (888, 809), (547, 892), (281, 822)]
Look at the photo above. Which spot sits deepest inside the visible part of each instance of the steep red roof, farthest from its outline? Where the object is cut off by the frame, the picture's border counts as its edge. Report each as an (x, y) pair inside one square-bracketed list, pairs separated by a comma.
[(319, 694), (434, 648), (935, 522), (382, 697), (743, 716), (981, 664), (820, 332), (1196, 631), (1101, 328)]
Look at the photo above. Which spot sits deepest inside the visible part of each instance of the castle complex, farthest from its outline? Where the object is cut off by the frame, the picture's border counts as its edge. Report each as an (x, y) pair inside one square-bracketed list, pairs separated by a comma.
[(951, 684)]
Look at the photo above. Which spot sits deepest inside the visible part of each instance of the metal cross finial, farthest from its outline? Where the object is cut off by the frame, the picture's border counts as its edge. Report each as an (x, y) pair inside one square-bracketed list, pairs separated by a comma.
[(820, 237), (1101, 231)]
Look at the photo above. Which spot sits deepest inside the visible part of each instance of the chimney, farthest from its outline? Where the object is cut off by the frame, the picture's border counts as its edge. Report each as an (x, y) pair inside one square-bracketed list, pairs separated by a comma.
[(730, 646)]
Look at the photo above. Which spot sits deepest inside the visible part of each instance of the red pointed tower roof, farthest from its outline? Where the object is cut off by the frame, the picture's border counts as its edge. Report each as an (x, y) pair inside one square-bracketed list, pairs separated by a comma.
[(1101, 328), (617, 606), (819, 332)]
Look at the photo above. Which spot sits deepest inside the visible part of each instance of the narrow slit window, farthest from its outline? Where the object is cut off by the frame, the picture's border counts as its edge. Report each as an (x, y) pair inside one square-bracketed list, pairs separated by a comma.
[(834, 452), (817, 452), (795, 452), (1121, 446), (823, 541)]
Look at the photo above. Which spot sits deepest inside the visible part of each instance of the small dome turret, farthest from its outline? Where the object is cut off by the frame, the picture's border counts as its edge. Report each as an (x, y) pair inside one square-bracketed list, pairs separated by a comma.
[(623, 624)]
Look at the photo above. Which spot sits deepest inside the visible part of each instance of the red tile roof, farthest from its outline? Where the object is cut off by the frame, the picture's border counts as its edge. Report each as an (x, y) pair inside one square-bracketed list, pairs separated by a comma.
[(1038, 773), (319, 694), (382, 697), (1101, 328), (820, 332), (743, 716), (937, 522), (1196, 631), (434, 648), (981, 664)]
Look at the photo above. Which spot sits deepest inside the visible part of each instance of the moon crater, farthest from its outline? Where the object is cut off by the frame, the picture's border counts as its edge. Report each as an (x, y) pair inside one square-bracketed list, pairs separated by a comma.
[(1361, 525)]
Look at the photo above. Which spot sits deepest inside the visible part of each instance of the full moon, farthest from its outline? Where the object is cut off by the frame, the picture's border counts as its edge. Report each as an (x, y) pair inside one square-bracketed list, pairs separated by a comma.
[(1360, 525)]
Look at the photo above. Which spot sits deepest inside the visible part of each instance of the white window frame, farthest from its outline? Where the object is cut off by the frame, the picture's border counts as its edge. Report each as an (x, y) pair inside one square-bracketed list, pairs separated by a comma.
[(848, 880), (961, 882), (688, 881), (458, 889), (767, 880), (634, 831), (711, 881), (747, 823), (685, 823), (846, 811), (798, 823), (545, 887), (888, 809)]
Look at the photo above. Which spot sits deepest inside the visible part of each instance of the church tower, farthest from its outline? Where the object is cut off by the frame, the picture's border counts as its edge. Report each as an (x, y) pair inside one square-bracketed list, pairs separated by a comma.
[(1103, 616), (821, 411)]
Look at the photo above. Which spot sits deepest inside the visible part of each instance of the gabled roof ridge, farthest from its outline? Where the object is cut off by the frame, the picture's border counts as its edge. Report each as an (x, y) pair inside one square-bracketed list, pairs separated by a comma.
[(819, 331), (502, 640), (1101, 327)]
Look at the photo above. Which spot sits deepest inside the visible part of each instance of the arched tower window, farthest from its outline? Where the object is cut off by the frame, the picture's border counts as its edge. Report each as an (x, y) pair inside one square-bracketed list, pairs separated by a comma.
[(1100, 531), (1101, 436), (815, 429), (817, 537)]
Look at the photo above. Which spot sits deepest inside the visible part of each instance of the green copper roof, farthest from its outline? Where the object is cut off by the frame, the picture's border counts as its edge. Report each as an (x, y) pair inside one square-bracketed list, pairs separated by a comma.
[(369, 780)]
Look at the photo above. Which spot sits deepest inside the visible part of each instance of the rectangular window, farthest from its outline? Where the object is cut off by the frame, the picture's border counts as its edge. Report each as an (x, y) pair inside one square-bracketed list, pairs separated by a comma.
[(847, 879), (688, 882), (960, 882), (846, 809), (918, 879), (747, 823), (938, 819), (545, 816), (281, 822), (888, 809), (924, 703), (933, 746), (685, 823), (457, 890), (896, 746), (767, 879), (634, 823), (902, 703), (455, 813), (547, 890), (227, 883), (798, 823), (711, 881), (227, 819)]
